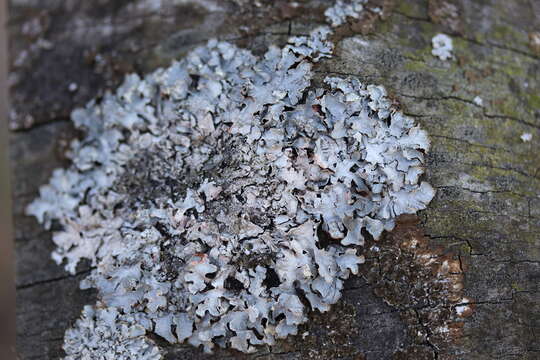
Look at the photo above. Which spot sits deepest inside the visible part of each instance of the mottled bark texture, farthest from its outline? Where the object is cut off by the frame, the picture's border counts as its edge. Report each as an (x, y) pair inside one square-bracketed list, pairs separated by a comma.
[(458, 282)]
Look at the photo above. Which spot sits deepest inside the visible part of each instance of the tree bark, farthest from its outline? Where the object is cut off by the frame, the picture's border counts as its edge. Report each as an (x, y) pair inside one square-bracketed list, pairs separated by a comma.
[(458, 282)]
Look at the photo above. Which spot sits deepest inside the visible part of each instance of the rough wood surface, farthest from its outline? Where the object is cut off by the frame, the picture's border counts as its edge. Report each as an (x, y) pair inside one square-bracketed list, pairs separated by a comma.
[(474, 252)]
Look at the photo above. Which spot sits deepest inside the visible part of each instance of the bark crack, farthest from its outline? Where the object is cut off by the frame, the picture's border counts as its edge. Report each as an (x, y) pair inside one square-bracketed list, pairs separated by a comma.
[(41, 124), (470, 102), (53, 280)]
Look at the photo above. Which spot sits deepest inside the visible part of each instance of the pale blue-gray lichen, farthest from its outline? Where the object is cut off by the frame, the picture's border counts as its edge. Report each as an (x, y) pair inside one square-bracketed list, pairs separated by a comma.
[(105, 333), (337, 15), (442, 46), (219, 196)]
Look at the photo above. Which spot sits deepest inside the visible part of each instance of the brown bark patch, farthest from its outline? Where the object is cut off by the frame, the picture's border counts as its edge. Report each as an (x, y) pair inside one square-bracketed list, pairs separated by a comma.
[(445, 13), (534, 42), (423, 282)]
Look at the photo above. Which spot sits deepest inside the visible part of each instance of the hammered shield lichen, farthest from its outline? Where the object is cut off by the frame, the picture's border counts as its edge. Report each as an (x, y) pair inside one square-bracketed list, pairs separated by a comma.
[(222, 198)]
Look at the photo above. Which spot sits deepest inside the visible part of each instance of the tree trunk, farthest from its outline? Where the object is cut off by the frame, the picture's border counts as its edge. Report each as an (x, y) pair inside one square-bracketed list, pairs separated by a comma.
[(458, 282)]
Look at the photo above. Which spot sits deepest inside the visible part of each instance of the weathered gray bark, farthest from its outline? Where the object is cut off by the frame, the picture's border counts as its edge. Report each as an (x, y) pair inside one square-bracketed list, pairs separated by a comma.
[(481, 229)]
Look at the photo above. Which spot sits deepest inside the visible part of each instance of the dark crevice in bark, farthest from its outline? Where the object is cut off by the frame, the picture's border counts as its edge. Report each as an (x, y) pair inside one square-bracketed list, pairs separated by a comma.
[(53, 280), (39, 125)]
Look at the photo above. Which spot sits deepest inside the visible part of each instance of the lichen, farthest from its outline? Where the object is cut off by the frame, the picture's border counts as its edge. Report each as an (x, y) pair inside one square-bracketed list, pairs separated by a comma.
[(442, 46), (478, 101), (526, 137), (106, 334), (222, 198), (337, 15)]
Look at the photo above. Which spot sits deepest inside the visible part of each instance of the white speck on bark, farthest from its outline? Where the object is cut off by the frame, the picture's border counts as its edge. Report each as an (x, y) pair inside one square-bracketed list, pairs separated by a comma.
[(442, 46), (526, 137), (478, 101)]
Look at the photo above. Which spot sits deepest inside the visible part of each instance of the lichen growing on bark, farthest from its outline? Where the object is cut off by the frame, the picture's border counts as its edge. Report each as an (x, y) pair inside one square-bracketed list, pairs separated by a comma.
[(104, 333), (223, 197), (337, 15), (442, 46)]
